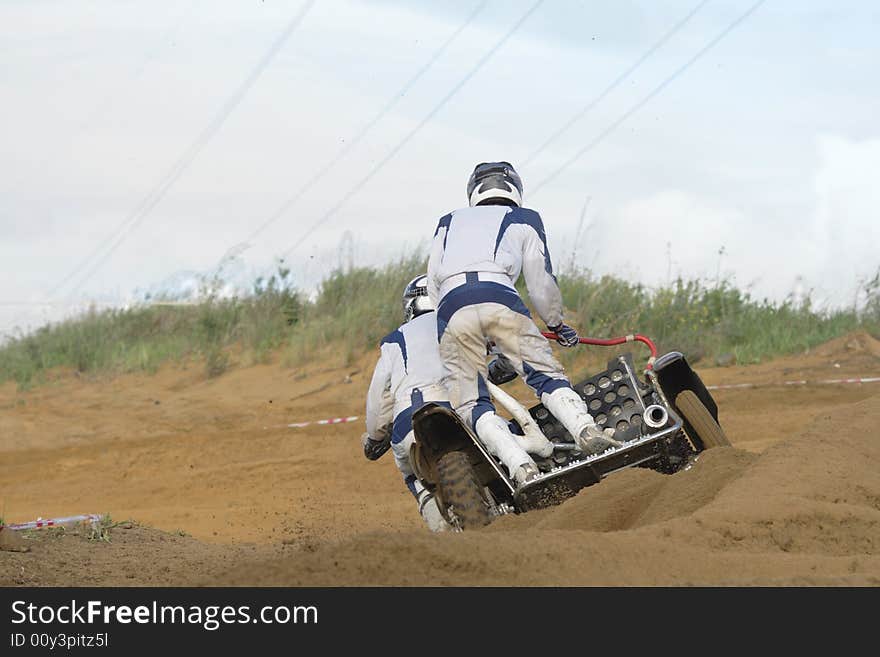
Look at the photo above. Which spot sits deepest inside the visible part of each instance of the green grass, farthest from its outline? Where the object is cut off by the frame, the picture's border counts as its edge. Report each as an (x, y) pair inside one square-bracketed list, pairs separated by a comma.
[(100, 531), (704, 320), (351, 312), (354, 308)]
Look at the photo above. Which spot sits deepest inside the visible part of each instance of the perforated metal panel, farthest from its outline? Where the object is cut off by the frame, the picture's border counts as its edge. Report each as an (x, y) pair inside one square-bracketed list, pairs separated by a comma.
[(614, 398)]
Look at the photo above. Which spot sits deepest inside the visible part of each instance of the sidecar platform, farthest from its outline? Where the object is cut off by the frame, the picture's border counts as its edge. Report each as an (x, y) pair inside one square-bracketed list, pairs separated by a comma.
[(562, 482), (438, 430)]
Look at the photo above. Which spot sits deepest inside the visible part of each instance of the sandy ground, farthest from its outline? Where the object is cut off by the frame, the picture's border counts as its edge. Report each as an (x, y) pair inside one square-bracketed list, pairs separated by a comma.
[(221, 491)]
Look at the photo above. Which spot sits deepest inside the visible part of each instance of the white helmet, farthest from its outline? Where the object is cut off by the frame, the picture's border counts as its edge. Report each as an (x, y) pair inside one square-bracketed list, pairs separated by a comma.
[(415, 298), (494, 183)]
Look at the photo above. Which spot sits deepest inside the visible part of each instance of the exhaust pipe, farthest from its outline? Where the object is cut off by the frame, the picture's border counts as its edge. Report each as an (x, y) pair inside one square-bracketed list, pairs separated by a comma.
[(656, 416), (534, 441)]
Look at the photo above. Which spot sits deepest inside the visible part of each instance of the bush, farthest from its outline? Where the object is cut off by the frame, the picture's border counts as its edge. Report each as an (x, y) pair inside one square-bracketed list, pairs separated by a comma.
[(143, 337), (704, 320), (355, 307)]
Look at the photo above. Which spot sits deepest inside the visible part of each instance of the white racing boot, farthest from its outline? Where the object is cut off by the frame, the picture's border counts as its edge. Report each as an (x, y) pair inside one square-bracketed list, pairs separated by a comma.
[(595, 440), (503, 445), (568, 407), (430, 512)]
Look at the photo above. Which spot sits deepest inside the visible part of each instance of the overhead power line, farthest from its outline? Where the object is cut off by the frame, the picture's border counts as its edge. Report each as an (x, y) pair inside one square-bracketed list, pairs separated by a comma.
[(392, 102), (616, 83), (646, 99), (106, 249), (99, 110), (412, 133)]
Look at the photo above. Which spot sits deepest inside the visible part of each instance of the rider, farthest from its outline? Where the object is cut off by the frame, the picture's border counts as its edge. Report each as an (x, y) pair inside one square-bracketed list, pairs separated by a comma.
[(476, 257), (408, 373)]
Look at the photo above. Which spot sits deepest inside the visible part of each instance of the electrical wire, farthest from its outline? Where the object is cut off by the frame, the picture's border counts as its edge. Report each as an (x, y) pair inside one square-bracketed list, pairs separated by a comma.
[(615, 83), (412, 133), (148, 203), (319, 175), (646, 99)]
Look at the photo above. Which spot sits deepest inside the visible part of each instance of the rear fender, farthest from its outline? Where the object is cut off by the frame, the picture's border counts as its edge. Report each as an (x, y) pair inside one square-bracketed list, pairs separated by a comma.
[(674, 374), (439, 430)]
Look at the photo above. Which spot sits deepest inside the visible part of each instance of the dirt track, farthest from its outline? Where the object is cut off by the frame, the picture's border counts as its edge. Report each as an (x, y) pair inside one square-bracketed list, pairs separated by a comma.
[(795, 501)]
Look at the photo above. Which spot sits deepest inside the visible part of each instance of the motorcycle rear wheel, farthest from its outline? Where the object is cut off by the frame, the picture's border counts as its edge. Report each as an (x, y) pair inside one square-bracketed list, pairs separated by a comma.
[(461, 492)]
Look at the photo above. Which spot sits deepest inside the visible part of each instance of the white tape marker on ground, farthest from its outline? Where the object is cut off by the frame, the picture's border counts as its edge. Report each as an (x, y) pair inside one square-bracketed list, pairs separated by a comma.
[(332, 420), (801, 382), (40, 523)]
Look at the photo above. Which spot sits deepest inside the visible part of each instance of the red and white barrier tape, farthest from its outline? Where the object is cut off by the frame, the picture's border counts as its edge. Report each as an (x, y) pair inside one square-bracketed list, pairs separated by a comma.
[(800, 382), (332, 420), (40, 523)]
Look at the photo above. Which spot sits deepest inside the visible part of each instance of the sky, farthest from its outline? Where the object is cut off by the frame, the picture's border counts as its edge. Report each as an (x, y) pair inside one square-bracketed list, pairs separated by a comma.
[(142, 144)]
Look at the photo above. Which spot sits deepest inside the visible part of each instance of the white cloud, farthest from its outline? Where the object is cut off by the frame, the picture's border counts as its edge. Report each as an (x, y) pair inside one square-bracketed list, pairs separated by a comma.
[(828, 251), (845, 232), (102, 97), (632, 238)]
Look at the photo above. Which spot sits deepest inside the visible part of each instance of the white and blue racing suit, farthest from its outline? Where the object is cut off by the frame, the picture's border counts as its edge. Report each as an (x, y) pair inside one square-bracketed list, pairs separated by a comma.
[(408, 373), (476, 257)]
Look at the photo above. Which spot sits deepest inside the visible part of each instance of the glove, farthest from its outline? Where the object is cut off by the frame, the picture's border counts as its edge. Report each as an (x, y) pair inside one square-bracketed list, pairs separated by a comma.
[(501, 370), (373, 449), (565, 335)]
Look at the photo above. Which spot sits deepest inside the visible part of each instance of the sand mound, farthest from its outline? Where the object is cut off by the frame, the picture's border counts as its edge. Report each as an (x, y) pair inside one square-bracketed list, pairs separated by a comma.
[(807, 511), (638, 497), (853, 343), (11, 542), (795, 501), (135, 556)]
